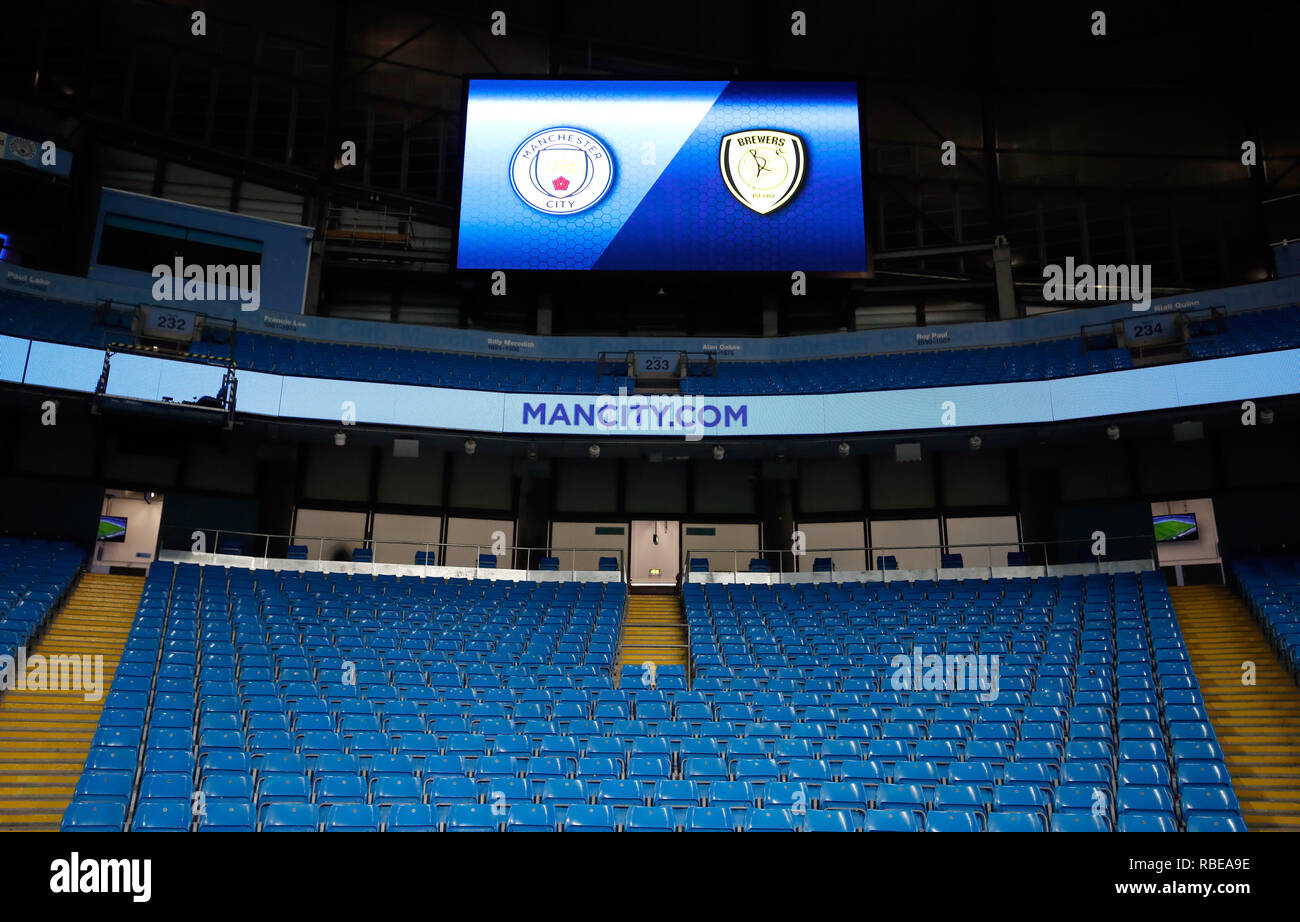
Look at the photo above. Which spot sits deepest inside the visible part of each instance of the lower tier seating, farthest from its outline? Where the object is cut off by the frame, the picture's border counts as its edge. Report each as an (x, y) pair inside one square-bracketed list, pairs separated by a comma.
[(1271, 587), (34, 578), (302, 702)]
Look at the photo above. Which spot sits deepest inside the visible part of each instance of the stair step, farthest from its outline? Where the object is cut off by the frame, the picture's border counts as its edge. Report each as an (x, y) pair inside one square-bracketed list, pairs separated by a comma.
[(1257, 726), (654, 630), (45, 736)]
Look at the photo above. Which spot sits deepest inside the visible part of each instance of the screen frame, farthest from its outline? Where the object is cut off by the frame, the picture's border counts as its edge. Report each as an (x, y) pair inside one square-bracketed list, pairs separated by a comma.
[(457, 202)]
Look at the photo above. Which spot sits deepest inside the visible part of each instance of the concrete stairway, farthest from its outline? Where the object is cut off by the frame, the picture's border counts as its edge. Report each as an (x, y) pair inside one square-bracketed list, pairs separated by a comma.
[(1258, 726), (654, 630), (45, 735)]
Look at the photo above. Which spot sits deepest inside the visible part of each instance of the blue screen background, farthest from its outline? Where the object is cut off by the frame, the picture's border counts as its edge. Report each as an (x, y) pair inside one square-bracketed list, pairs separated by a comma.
[(668, 208)]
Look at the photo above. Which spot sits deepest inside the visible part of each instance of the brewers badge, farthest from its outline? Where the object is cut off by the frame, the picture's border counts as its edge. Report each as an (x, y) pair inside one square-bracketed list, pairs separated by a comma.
[(762, 168)]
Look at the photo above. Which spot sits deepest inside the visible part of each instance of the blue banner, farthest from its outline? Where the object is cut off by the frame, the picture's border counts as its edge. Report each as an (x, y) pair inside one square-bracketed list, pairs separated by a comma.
[(39, 155), (689, 417)]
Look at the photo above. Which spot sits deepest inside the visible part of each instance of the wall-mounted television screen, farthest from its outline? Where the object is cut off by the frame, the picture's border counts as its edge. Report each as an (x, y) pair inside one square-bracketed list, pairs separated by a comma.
[(112, 528), (1180, 527)]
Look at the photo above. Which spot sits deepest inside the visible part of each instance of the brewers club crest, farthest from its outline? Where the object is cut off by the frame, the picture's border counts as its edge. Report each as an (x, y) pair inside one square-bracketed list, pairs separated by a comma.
[(561, 171), (762, 168)]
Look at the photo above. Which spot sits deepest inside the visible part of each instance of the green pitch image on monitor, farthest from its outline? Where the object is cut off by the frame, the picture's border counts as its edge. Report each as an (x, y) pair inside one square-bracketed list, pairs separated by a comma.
[(1180, 527), (112, 528)]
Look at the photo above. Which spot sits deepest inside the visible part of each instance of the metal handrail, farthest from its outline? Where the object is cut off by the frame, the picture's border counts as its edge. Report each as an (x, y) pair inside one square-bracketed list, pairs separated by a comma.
[(509, 551), (870, 551)]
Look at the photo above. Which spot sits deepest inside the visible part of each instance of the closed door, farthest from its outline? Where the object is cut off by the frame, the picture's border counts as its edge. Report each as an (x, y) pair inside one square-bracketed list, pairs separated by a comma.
[(655, 551)]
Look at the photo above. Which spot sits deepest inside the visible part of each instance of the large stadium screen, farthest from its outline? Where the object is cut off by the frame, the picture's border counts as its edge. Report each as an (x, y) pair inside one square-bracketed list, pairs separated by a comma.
[(1180, 527), (661, 175)]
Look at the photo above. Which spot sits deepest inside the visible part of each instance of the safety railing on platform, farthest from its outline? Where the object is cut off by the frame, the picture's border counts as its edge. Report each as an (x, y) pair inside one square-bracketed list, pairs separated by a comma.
[(1096, 549), (403, 552)]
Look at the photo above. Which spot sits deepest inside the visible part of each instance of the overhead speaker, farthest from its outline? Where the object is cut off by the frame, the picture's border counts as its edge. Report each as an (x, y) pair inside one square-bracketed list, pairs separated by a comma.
[(780, 470), (406, 448), (1190, 431), (907, 451)]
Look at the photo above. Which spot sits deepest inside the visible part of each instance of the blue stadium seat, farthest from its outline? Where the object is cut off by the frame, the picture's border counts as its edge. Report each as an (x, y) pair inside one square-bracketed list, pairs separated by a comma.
[(954, 821), (474, 818), (709, 819), (531, 818), (93, 816), (164, 816), (648, 819), (104, 787), (290, 817), (1016, 822), (589, 818), (412, 818), (1214, 822), (894, 821), (1080, 822), (228, 817), (353, 818), (827, 821), (1141, 822), (770, 819)]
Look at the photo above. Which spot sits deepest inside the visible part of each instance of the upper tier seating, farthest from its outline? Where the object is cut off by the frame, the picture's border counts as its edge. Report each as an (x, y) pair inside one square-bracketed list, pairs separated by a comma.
[(312, 702), (34, 577), (1258, 331), (1271, 587), (939, 368)]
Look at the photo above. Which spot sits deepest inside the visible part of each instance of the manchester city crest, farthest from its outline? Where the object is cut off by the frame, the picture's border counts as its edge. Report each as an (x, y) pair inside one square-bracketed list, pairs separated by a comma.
[(21, 148), (561, 171), (762, 168)]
